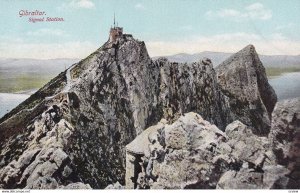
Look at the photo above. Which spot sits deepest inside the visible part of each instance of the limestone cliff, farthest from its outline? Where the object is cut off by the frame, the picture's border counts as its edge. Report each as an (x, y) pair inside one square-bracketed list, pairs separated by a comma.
[(243, 80), (73, 131), (92, 110)]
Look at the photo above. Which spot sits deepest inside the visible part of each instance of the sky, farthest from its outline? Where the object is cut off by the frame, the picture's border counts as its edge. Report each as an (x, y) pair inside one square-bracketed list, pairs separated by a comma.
[(167, 26)]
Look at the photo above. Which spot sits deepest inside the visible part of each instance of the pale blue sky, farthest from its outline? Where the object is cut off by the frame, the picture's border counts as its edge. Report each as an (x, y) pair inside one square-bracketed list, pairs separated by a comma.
[(167, 26)]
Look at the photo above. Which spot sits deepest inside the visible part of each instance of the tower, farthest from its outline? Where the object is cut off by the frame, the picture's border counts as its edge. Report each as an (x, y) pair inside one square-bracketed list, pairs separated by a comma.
[(115, 31)]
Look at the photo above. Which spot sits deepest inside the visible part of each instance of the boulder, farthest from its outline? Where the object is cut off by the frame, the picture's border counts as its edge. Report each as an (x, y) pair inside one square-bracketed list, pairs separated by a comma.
[(249, 147), (246, 178), (189, 153), (43, 183)]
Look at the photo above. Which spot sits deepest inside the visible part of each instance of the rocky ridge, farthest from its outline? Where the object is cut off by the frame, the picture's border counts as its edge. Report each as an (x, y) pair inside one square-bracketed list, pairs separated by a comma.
[(192, 153), (73, 131)]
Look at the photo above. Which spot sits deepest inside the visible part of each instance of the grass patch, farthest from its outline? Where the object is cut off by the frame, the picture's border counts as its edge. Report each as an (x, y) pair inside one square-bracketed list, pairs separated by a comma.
[(271, 71), (22, 82)]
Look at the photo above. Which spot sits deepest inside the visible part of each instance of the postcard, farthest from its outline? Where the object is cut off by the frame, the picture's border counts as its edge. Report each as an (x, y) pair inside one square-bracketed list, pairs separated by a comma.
[(149, 94)]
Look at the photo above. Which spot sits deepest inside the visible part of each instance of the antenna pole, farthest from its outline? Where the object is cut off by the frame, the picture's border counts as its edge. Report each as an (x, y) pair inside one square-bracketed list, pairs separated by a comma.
[(114, 21)]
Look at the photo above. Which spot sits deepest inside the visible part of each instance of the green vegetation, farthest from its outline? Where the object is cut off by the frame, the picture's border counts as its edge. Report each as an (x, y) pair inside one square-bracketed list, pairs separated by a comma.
[(10, 83), (271, 71), (47, 90)]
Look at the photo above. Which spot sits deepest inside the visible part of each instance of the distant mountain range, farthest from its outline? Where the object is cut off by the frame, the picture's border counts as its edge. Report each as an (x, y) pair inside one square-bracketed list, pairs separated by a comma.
[(55, 66), (23, 65), (279, 61)]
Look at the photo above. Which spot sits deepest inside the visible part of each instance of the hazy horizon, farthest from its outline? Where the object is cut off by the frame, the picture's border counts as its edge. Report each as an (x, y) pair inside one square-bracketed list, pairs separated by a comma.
[(167, 27), (150, 56)]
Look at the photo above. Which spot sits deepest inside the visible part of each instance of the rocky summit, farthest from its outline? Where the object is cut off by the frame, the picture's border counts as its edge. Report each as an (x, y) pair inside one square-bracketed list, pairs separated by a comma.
[(242, 79), (118, 119)]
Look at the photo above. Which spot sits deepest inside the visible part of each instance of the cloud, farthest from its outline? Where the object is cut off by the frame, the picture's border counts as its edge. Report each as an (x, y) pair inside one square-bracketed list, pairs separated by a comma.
[(47, 32), (139, 6), (258, 11), (10, 48), (255, 11), (274, 44), (285, 26), (78, 4)]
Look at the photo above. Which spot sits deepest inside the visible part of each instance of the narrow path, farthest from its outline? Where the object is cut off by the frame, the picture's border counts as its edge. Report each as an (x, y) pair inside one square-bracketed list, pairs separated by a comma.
[(68, 83), (68, 75)]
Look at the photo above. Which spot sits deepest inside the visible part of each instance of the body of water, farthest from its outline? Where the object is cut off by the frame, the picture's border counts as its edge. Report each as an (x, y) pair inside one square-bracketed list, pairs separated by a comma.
[(286, 86), (8, 101)]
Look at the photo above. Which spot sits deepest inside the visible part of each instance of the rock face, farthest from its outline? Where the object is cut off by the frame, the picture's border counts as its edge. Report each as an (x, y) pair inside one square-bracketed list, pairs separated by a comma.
[(181, 155), (251, 99), (73, 131), (246, 178), (192, 153), (258, 168), (285, 137), (96, 107), (282, 148)]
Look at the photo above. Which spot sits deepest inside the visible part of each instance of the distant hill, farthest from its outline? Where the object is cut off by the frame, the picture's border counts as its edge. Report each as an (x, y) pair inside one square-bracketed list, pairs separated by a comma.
[(50, 66), (279, 61)]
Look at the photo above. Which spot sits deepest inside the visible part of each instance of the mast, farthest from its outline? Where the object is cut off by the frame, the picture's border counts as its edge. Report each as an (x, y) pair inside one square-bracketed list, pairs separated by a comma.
[(114, 21)]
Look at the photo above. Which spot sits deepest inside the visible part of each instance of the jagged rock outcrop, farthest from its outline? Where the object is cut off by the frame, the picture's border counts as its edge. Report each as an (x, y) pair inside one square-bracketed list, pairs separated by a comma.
[(44, 163), (190, 87), (96, 107), (285, 138), (250, 98), (282, 148), (181, 155), (73, 131), (258, 168), (192, 153)]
